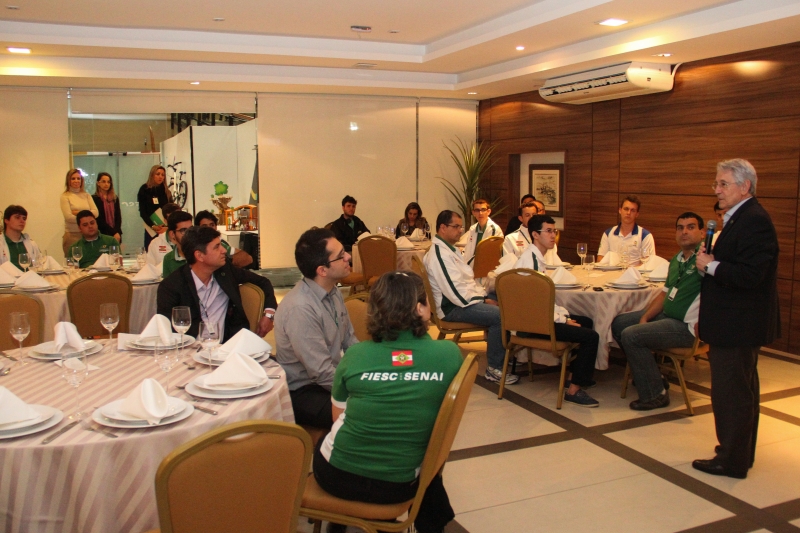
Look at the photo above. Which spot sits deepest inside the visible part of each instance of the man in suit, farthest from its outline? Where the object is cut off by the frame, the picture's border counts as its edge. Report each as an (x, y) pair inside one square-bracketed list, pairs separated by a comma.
[(209, 285), (739, 313)]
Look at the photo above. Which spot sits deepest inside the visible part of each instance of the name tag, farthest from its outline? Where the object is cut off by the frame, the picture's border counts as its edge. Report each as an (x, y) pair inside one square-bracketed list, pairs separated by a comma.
[(673, 293), (155, 201), (520, 243)]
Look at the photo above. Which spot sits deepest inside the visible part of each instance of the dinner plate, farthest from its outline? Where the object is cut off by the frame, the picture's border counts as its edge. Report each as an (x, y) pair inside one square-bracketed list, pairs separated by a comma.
[(194, 390), (50, 287), (44, 412), (568, 285), (51, 415), (657, 280), (405, 249), (553, 267), (607, 267), (627, 286), (101, 415), (51, 272), (202, 359), (145, 281), (6, 285), (200, 382), (46, 351), (149, 343)]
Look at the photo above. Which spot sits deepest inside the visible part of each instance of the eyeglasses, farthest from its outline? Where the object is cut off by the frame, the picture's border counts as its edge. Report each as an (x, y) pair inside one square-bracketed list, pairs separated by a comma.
[(455, 226), (181, 231), (721, 184), (480, 210), (339, 258), (548, 230)]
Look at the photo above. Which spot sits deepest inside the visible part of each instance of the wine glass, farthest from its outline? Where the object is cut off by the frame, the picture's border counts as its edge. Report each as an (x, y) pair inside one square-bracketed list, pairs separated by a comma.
[(589, 266), (24, 261), (624, 258), (109, 319), (582, 251), (20, 328), (167, 356), (77, 255), (427, 231), (404, 228), (181, 320), (141, 257), (209, 336), (74, 370)]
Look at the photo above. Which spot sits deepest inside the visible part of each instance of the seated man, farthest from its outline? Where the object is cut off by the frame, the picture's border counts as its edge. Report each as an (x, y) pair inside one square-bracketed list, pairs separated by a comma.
[(348, 227), (92, 242), (160, 245), (312, 327), (177, 224), (14, 241), (628, 235), (459, 298), (517, 241), (209, 286), (239, 258), (668, 322), (514, 222), (484, 227), (568, 328)]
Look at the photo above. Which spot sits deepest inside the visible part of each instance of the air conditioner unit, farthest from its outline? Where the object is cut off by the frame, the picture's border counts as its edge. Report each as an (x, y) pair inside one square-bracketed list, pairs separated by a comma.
[(608, 83)]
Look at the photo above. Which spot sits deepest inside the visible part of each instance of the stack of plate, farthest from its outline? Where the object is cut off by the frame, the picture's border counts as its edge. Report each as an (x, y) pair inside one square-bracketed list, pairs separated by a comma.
[(145, 281), (607, 267), (48, 417), (149, 343), (50, 287), (52, 272), (568, 266), (109, 415), (200, 389), (218, 357), (567, 286), (6, 285), (642, 284), (47, 350)]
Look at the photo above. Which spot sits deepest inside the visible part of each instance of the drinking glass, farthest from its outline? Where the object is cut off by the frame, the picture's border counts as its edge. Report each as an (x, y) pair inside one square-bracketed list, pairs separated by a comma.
[(427, 231), (20, 328), (24, 261), (209, 336), (589, 266), (582, 251), (141, 257), (624, 258), (404, 228), (167, 356), (77, 255), (181, 320), (74, 370), (109, 319)]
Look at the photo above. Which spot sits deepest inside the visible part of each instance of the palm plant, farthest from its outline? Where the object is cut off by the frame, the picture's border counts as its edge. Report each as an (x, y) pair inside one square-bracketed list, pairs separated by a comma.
[(472, 161)]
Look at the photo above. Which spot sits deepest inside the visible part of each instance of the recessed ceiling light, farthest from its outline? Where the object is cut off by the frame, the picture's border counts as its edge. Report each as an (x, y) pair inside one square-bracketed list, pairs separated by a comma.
[(662, 55), (520, 48), (13, 8), (219, 19), (472, 93), (612, 22), (353, 126), (18, 50), (194, 83), (394, 31), (365, 65), (361, 29)]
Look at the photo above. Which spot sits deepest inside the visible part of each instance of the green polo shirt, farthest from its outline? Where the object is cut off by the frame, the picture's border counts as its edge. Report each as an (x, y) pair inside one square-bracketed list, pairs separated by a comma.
[(14, 249), (172, 262), (227, 246), (684, 276), (92, 250)]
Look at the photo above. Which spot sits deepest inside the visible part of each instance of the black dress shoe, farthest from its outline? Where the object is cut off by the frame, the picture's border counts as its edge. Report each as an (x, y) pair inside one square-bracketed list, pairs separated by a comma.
[(711, 466), (662, 400)]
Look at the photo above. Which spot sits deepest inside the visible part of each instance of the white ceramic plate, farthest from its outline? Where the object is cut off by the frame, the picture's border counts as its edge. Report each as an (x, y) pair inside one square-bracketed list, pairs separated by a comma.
[(568, 286), (194, 390), (99, 269), (657, 280), (47, 350), (51, 272), (607, 267), (37, 289), (145, 281), (553, 267), (201, 358), (150, 342), (627, 286), (6, 285), (51, 415), (101, 415), (44, 411), (200, 382)]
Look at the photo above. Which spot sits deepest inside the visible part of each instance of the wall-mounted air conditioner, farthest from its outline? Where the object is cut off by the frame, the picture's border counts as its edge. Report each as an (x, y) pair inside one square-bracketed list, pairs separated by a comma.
[(608, 83)]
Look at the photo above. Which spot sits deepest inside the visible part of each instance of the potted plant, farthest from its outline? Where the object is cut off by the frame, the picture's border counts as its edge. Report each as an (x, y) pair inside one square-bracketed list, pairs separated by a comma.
[(472, 161)]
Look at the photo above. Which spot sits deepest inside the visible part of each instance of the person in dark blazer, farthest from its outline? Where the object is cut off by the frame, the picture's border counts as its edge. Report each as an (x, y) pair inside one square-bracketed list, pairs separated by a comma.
[(209, 285), (739, 313), (348, 227), (109, 218)]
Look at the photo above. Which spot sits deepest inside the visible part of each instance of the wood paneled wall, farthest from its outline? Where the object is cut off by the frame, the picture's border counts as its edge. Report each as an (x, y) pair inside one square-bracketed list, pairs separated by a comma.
[(664, 148)]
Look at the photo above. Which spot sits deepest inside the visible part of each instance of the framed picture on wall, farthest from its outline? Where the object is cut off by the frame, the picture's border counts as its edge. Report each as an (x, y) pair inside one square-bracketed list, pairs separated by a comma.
[(546, 183)]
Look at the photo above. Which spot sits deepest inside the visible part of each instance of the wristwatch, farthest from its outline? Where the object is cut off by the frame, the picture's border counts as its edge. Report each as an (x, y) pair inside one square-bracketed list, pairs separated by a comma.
[(269, 313), (705, 268)]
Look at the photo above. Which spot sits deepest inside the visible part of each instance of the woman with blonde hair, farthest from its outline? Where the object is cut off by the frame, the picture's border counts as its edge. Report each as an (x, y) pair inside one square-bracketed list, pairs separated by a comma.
[(109, 222), (152, 196), (74, 199)]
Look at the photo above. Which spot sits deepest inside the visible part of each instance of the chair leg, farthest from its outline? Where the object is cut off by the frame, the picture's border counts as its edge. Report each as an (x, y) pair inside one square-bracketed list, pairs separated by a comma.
[(564, 363), (317, 526), (503, 377), (441, 336), (682, 381), (457, 338), (625, 380), (530, 363)]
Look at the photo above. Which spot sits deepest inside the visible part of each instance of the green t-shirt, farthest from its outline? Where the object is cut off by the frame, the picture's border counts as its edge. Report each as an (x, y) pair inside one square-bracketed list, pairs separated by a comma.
[(227, 246), (14, 249), (92, 250), (393, 391), (171, 262), (685, 276)]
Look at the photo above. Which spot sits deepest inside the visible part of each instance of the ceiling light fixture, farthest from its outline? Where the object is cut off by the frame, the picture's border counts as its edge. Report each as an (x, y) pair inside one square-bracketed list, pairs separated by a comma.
[(662, 55), (361, 29), (472, 93), (394, 31), (612, 22), (520, 48), (219, 19), (194, 83), (13, 8), (365, 65), (18, 50)]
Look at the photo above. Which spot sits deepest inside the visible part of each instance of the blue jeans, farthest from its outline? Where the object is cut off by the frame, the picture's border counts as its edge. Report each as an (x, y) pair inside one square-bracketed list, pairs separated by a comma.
[(483, 315), (638, 342)]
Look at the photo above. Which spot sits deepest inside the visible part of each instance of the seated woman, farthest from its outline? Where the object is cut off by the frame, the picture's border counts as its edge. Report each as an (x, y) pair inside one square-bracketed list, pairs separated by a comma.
[(382, 426), (413, 219)]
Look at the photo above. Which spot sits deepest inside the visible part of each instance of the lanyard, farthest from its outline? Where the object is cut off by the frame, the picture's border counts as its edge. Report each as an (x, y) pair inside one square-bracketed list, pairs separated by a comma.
[(682, 266)]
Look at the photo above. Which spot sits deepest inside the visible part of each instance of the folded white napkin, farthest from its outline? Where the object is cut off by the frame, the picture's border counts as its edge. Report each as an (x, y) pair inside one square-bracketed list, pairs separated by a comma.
[(610, 259), (10, 269), (365, 234), (403, 242), (159, 326), (147, 401), (507, 262), (561, 276), (66, 334), (51, 264), (654, 262), (238, 371), (5, 277), (31, 279), (417, 234), (661, 271), (551, 258), (147, 273), (102, 261), (69, 363), (244, 342), (13, 410), (630, 276)]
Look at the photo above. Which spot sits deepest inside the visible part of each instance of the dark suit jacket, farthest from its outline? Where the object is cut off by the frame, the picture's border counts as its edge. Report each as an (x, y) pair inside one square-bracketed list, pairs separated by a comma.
[(344, 234), (178, 289), (102, 224), (739, 303)]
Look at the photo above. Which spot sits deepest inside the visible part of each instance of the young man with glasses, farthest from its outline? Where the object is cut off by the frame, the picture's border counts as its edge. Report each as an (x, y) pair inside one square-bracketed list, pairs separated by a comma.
[(312, 327), (177, 224), (483, 228)]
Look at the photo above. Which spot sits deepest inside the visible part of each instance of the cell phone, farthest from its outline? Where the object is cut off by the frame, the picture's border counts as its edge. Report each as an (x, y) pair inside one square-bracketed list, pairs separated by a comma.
[(598, 289)]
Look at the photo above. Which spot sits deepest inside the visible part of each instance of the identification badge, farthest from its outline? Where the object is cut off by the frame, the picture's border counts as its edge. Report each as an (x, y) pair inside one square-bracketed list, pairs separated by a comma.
[(672, 293), (155, 201), (405, 358), (520, 243)]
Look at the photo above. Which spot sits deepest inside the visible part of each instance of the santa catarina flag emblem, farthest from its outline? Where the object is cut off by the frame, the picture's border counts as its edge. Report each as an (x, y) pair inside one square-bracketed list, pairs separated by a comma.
[(402, 358)]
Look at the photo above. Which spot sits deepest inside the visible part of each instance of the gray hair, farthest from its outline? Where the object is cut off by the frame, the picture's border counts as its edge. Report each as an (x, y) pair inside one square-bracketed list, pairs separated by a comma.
[(741, 170)]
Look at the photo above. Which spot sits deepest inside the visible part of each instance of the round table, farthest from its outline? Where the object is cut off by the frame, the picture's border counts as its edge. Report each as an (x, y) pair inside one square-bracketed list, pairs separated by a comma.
[(403, 256), (84, 481)]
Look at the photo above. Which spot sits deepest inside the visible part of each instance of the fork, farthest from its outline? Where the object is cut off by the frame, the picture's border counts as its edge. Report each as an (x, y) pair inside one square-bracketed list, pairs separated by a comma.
[(107, 433)]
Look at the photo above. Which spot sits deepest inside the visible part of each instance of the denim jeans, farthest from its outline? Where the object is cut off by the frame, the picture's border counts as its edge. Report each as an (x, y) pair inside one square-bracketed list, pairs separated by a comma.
[(483, 315), (638, 342)]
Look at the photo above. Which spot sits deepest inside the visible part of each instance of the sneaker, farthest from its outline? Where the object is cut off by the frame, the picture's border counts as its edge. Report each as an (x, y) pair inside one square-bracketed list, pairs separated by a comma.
[(662, 400), (581, 398), (591, 384), (494, 375)]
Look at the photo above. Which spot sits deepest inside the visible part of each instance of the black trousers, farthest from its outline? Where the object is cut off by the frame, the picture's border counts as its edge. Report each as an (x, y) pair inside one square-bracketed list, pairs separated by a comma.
[(434, 511), (582, 367), (312, 406), (735, 397)]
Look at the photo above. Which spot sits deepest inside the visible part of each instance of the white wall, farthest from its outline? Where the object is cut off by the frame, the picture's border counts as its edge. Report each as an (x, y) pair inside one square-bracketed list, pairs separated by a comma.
[(214, 149), (34, 135)]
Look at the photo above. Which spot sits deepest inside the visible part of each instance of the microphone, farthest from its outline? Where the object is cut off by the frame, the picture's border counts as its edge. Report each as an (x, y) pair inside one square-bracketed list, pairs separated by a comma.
[(711, 228)]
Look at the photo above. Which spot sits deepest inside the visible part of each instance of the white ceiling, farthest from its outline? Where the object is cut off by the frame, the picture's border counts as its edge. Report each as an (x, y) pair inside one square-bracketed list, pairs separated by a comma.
[(443, 48)]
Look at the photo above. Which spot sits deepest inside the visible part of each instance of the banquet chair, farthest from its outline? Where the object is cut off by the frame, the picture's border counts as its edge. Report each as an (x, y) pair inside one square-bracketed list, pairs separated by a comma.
[(356, 282), (527, 299), (378, 256), (319, 505), (246, 477), (445, 328), (676, 357), (356, 305), (253, 303), (85, 295), (11, 301), (487, 256)]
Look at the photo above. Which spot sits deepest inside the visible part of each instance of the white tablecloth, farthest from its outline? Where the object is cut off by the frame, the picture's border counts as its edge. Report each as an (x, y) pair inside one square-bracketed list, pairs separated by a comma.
[(403, 256), (86, 482)]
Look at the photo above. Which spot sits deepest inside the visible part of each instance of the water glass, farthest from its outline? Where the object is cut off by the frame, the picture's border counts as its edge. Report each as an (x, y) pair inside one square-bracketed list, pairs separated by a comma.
[(109, 319), (209, 336), (77, 255), (24, 261), (427, 231), (581, 251), (74, 370), (404, 228), (20, 328), (589, 266), (167, 357), (181, 320)]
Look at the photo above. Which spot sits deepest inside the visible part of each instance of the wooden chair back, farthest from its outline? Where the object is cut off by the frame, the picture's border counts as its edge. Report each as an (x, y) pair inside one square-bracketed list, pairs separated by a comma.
[(378, 256), (526, 299), (85, 295), (356, 305), (487, 256), (253, 303), (11, 301)]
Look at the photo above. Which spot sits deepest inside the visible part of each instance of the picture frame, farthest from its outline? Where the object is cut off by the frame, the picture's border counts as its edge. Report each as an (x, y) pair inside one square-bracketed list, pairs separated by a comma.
[(546, 183)]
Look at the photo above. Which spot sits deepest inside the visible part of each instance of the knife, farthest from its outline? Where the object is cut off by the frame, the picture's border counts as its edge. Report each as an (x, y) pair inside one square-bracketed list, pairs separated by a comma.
[(205, 409), (50, 438), (4, 354)]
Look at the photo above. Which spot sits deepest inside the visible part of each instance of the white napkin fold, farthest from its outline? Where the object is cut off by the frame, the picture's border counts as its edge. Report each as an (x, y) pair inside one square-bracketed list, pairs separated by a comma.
[(147, 401), (13, 410), (653, 262), (102, 261), (661, 271), (417, 234), (10, 269), (610, 259), (507, 262), (91, 367), (159, 326), (31, 279), (244, 342), (52, 264), (238, 371), (124, 338), (630, 276), (147, 273), (363, 235), (66, 334), (403, 242), (551, 258), (561, 276), (5, 277)]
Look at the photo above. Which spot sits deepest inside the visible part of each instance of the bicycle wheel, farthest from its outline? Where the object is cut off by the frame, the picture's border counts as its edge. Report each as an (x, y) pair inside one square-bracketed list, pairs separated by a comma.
[(180, 197)]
